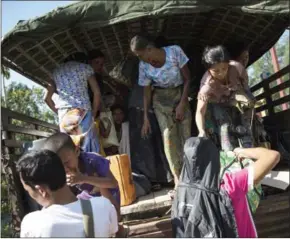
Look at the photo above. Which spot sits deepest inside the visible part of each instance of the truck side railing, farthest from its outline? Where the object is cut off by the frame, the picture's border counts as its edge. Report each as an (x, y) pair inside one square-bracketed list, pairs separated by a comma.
[(268, 95), (15, 130)]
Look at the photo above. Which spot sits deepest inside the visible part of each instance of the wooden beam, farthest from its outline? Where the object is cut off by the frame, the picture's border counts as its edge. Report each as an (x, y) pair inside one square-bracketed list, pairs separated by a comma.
[(106, 46), (118, 41), (6, 113), (260, 33), (273, 77), (59, 48), (188, 40), (34, 61), (91, 44), (74, 41), (47, 54), (218, 27), (233, 29), (274, 90), (88, 39)]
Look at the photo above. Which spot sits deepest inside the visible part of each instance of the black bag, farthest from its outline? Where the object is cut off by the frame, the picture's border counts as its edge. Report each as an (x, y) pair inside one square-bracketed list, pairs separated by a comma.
[(200, 208)]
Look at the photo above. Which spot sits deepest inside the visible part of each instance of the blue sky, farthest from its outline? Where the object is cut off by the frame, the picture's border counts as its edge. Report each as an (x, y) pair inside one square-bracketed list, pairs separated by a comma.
[(13, 11)]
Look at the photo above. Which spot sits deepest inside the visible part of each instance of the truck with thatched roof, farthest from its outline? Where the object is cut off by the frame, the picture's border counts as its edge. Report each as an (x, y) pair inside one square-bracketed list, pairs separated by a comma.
[(35, 47)]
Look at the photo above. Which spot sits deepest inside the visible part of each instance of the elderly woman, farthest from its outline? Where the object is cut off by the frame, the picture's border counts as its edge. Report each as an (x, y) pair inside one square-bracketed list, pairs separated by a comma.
[(164, 74), (75, 112), (216, 115)]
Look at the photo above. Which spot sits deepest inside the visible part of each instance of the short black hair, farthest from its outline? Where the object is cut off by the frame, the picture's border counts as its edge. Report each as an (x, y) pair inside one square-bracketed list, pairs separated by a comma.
[(214, 55), (140, 42), (58, 142), (95, 53), (77, 56), (42, 167)]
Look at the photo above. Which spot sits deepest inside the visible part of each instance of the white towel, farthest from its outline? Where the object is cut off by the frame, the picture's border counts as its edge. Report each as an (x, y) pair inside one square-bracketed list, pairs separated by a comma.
[(124, 147)]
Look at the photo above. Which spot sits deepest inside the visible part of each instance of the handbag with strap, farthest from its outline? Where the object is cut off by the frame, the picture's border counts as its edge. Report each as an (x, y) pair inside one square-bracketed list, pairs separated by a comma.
[(88, 219)]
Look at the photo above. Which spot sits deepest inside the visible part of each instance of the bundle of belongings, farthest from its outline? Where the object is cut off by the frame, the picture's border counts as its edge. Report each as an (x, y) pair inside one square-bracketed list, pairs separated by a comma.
[(201, 181)]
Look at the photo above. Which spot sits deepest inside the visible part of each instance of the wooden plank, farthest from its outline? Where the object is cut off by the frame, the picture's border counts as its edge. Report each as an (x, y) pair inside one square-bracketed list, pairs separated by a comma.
[(273, 90), (11, 143), (273, 77), (270, 105), (162, 199), (11, 114), (279, 216), (143, 203), (159, 234), (149, 227), (21, 130)]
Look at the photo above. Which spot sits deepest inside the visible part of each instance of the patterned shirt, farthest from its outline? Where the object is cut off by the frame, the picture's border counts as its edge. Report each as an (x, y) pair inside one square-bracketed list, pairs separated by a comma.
[(167, 76), (71, 80), (214, 91)]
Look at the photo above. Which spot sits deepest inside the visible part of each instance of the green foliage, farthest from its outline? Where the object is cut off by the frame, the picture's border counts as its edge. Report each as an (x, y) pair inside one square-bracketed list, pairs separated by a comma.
[(264, 64), (6, 230), (24, 100), (5, 72)]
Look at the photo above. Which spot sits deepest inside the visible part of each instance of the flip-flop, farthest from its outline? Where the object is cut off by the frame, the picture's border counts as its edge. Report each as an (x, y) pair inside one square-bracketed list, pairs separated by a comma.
[(156, 187)]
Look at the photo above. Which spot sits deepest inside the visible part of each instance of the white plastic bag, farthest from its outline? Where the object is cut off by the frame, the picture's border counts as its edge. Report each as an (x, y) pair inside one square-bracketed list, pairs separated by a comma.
[(107, 119)]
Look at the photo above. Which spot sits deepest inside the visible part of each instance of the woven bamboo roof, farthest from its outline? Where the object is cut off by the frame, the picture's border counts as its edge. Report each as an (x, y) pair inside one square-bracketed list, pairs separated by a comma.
[(36, 58)]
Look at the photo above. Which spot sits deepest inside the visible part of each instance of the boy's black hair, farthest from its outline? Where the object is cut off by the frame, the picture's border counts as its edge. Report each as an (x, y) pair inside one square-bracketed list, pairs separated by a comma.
[(95, 53), (58, 142), (42, 167), (215, 55)]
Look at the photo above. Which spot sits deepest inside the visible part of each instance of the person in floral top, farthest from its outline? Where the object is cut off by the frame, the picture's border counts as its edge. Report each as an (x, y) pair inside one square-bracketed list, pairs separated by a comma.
[(164, 70), (75, 112)]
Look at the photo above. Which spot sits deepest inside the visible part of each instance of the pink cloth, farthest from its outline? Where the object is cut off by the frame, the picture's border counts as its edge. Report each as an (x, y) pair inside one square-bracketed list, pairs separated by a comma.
[(237, 185), (84, 195), (215, 91)]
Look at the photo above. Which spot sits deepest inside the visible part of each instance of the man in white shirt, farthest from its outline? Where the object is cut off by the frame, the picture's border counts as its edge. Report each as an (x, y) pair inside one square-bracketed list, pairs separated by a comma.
[(43, 177)]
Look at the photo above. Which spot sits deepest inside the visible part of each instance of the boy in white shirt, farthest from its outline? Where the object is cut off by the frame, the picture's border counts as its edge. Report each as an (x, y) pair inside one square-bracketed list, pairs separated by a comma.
[(43, 177)]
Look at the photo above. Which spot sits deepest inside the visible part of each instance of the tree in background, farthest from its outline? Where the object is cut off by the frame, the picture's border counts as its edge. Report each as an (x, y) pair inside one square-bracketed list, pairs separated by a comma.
[(24, 100), (264, 64), (21, 99)]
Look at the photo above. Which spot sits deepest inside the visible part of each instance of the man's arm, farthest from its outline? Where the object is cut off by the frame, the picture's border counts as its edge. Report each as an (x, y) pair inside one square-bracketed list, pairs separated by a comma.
[(147, 100), (97, 95), (48, 97), (265, 160), (101, 182)]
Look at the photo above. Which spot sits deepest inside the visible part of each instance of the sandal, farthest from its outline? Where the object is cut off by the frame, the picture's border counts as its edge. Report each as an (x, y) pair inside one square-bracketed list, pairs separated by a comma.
[(156, 187)]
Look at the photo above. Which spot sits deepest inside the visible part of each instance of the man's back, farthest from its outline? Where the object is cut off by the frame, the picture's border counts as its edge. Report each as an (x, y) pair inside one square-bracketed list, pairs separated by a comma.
[(67, 220)]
